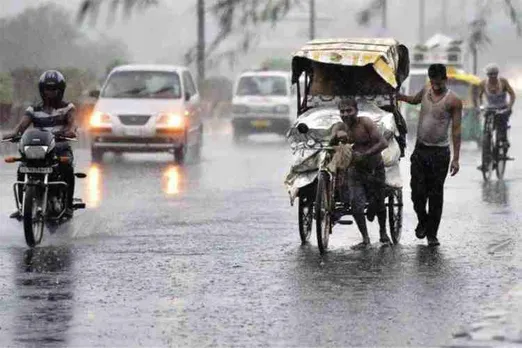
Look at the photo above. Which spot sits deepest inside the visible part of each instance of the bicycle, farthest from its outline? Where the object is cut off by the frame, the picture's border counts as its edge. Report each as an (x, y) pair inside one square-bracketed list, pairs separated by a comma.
[(494, 149)]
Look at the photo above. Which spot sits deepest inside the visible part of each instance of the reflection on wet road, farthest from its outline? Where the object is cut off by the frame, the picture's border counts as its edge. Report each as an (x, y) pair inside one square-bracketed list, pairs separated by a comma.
[(44, 296), (172, 180), (208, 254), (93, 188)]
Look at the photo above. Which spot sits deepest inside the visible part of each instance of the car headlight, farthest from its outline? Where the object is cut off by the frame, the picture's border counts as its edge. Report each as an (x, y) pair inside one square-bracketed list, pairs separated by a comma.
[(100, 119), (282, 109), (239, 109), (171, 120)]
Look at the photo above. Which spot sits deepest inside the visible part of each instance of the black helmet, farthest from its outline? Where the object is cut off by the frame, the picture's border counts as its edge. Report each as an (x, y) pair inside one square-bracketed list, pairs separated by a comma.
[(52, 79)]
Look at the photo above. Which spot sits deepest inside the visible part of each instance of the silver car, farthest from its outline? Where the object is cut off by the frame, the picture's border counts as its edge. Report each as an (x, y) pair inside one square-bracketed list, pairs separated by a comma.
[(146, 108)]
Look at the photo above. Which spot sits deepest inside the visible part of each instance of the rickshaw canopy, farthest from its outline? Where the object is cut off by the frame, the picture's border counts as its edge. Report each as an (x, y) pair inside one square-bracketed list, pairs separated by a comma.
[(352, 66)]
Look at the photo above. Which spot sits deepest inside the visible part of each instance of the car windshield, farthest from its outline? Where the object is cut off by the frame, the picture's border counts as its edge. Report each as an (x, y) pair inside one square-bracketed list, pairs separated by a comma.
[(143, 84), (262, 86)]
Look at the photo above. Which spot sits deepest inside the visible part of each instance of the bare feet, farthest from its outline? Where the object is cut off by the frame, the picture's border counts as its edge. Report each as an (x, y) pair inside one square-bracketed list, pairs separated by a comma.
[(385, 241), (361, 246), (420, 231)]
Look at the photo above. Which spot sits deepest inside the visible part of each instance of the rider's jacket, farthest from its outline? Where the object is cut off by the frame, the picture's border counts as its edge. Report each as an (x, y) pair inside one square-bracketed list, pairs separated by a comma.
[(54, 121), (496, 100)]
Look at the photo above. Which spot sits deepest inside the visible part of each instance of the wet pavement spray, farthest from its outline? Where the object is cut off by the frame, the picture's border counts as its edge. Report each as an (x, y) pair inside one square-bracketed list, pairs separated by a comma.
[(208, 254)]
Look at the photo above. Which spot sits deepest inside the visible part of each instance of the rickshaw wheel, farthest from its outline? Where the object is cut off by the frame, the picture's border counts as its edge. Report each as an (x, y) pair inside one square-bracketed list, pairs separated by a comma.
[(305, 211), (395, 204), (322, 212)]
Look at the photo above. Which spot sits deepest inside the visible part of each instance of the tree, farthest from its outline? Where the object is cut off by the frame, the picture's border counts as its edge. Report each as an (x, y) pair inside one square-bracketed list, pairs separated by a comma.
[(478, 37), (43, 38), (234, 17), (374, 8)]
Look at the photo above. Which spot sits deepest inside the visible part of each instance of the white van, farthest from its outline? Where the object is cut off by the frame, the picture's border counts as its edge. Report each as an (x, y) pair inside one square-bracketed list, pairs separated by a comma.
[(263, 102), (146, 108)]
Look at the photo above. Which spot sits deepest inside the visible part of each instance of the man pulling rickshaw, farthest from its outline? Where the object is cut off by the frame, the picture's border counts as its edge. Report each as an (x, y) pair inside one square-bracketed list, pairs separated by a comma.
[(348, 97), (366, 175)]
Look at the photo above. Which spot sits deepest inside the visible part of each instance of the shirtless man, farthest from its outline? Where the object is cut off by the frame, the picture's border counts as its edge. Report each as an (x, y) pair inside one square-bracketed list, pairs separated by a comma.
[(430, 161), (366, 173), (499, 95)]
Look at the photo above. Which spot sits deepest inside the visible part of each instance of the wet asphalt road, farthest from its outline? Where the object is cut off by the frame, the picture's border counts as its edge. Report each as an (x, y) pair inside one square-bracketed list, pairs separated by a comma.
[(208, 255)]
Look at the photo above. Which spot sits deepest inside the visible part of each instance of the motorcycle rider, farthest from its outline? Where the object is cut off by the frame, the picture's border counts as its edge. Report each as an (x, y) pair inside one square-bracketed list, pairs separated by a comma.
[(496, 89), (56, 115)]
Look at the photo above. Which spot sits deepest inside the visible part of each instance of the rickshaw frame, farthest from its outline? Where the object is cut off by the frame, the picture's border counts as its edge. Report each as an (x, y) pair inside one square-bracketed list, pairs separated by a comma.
[(384, 65)]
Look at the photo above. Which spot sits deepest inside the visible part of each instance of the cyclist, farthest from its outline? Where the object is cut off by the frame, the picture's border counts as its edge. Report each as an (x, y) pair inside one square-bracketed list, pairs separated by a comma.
[(497, 89)]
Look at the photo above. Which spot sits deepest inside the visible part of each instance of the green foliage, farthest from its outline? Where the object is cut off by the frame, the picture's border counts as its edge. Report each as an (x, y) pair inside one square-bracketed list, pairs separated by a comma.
[(114, 63), (241, 17), (44, 37), (25, 81), (216, 89), (277, 64), (6, 88)]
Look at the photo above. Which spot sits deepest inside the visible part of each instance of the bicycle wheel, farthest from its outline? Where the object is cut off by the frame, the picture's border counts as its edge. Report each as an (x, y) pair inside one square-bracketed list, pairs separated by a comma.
[(487, 152), (322, 212), (305, 211), (501, 159), (395, 214)]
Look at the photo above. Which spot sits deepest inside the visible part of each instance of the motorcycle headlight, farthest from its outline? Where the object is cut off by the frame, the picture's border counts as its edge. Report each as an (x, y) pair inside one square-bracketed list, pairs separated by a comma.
[(282, 109), (35, 152)]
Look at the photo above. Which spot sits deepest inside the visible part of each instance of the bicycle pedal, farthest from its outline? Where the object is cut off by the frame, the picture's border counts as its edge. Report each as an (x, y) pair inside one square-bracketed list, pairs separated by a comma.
[(345, 222)]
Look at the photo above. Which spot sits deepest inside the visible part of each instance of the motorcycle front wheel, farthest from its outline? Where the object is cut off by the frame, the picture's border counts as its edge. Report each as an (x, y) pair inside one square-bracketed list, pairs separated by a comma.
[(33, 217)]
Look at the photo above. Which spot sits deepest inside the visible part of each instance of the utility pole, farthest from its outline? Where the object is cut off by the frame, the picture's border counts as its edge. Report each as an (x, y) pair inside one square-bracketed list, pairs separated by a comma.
[(384, 14), (201, 42), (422, 11), (444, 15), (312, 19)]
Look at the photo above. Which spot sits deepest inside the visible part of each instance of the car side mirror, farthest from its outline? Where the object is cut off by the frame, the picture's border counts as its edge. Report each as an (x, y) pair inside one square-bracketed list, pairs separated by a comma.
[(302, 128), (94, 94)]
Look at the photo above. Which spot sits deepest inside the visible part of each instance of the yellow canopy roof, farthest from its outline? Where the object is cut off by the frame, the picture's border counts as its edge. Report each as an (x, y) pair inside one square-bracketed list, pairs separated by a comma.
[(381, 53)]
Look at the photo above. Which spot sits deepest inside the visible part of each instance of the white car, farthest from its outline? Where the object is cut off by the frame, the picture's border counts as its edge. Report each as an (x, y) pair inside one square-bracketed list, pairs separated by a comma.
[(146, 108), (263, 102)]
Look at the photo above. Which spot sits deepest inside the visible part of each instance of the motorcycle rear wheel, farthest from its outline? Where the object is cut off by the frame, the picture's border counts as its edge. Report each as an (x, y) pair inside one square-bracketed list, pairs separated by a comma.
[(32, 217)]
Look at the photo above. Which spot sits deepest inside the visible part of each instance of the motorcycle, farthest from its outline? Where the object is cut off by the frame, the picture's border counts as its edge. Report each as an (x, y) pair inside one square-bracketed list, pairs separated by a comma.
[(41, 198)]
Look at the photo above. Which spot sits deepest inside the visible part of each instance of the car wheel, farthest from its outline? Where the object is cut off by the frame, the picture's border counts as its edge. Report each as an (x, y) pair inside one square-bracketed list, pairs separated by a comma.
[(180, 154)]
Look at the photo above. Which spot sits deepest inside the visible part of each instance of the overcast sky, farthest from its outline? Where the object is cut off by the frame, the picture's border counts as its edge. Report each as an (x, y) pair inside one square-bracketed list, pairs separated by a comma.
[(164, 34)]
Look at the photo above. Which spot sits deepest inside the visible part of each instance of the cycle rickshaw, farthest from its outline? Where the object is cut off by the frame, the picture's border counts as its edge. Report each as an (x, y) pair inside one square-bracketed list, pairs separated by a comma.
[(370, 70)]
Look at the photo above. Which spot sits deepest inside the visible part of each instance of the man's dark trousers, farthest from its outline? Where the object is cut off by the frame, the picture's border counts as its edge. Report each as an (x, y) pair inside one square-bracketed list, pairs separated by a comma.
[(429, 168)]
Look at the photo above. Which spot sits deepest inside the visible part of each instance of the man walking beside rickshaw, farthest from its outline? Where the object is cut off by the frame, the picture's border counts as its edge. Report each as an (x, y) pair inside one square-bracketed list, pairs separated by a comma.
[(440, 108), (366, 175)]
